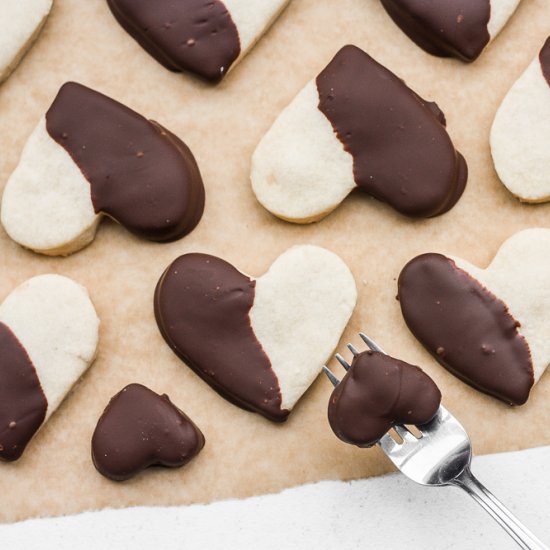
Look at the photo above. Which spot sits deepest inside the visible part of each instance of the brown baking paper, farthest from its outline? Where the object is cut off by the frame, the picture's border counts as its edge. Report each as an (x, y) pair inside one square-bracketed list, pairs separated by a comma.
[(244, 453)]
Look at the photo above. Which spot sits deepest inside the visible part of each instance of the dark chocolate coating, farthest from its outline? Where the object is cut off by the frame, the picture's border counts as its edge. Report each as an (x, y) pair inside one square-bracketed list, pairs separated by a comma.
[(23, 404), (140, 174), (378, 392), (139, 429), (444, 27), (467, 329), (401, 151), (544, 58), (183, 35), (202, 306)]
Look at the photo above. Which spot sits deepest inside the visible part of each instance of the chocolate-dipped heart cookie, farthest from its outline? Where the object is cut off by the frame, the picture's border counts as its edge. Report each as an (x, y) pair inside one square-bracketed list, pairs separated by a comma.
[(48, 338), (140, 429), (92, 156), (378, 392), (451, 28), (206, 37), (487, 326), (521, 132), (258, 342), (357, 126)]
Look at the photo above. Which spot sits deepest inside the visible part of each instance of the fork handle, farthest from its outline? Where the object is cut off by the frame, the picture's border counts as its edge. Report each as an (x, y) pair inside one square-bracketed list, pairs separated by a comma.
[(521, 535)]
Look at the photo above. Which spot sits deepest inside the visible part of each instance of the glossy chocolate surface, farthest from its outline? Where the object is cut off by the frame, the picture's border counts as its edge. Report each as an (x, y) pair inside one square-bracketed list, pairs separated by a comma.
[(184, 35), (467, 329), (444, 27), (23, 404), (544, 58), (378, 392), (139, 429), (202, 306), (402, 154), (140, 174)]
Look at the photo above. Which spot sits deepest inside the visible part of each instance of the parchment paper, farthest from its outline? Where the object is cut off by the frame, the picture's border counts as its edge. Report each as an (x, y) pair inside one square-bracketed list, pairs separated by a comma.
[(245, 454)]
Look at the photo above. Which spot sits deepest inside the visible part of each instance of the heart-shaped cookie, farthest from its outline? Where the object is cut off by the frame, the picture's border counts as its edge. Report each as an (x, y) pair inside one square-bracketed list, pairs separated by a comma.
[(48, 338), (92, 156), (20, 24), (378, 392), (357, 126), (487, 326), (139, 429), (521, 132), (450, 28), (206, 37), (258, 342)]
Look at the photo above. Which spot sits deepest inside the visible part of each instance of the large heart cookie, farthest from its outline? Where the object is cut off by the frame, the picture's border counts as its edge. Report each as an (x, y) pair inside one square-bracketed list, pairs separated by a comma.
[(48, 338), (140, 429), (449, 27), (487, 326), (378, 392), (92, 156), (258, 342), (206, 37), (20, 24), (521, 133), (357, 126)]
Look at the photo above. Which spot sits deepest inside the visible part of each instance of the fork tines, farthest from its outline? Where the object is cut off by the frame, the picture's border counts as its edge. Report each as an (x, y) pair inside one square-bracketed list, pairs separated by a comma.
[(371, 345)]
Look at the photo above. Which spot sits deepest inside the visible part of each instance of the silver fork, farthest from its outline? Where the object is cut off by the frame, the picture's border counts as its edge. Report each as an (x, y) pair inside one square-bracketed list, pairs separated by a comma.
[(441, 455)]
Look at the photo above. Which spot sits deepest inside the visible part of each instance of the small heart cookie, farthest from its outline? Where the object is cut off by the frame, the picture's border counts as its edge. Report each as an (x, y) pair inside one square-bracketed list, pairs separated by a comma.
[(521, 133), (206, 37), (48, 338), (378, 392), (357, 126), (487, 326), (258, 342), (140, 429), (20, 24), (450, 28), (92, 156)]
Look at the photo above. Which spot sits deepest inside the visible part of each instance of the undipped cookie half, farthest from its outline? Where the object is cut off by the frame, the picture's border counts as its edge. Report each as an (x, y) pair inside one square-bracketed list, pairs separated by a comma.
[(450, 27), (357, 126), (206, 37), (140, 429), (258, 342), (48, 338), (378, 392), (20, 24), (487, 326), (91, 156), (520, 135)]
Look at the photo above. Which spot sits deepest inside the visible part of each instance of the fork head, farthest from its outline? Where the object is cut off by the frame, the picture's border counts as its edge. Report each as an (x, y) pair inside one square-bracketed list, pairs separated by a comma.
[(437, 456)]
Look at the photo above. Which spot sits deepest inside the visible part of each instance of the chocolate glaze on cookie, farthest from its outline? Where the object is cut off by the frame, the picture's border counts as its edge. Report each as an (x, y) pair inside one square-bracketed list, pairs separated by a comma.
[(184, 35), (444, 27), (139, 429), (140, 174), (467, 329), (401, 151), (23, 404), (202, 307), (544, 58), (378, 392)]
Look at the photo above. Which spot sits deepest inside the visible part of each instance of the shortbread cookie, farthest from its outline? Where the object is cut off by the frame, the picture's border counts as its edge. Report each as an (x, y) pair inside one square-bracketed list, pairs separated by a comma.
[(258, 342), (92, 156), (451, 28), (20, 24), (521, 133), (206, 37), (378, 392), (140, 429), (487, 326), (48, 338), (357, 126)]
